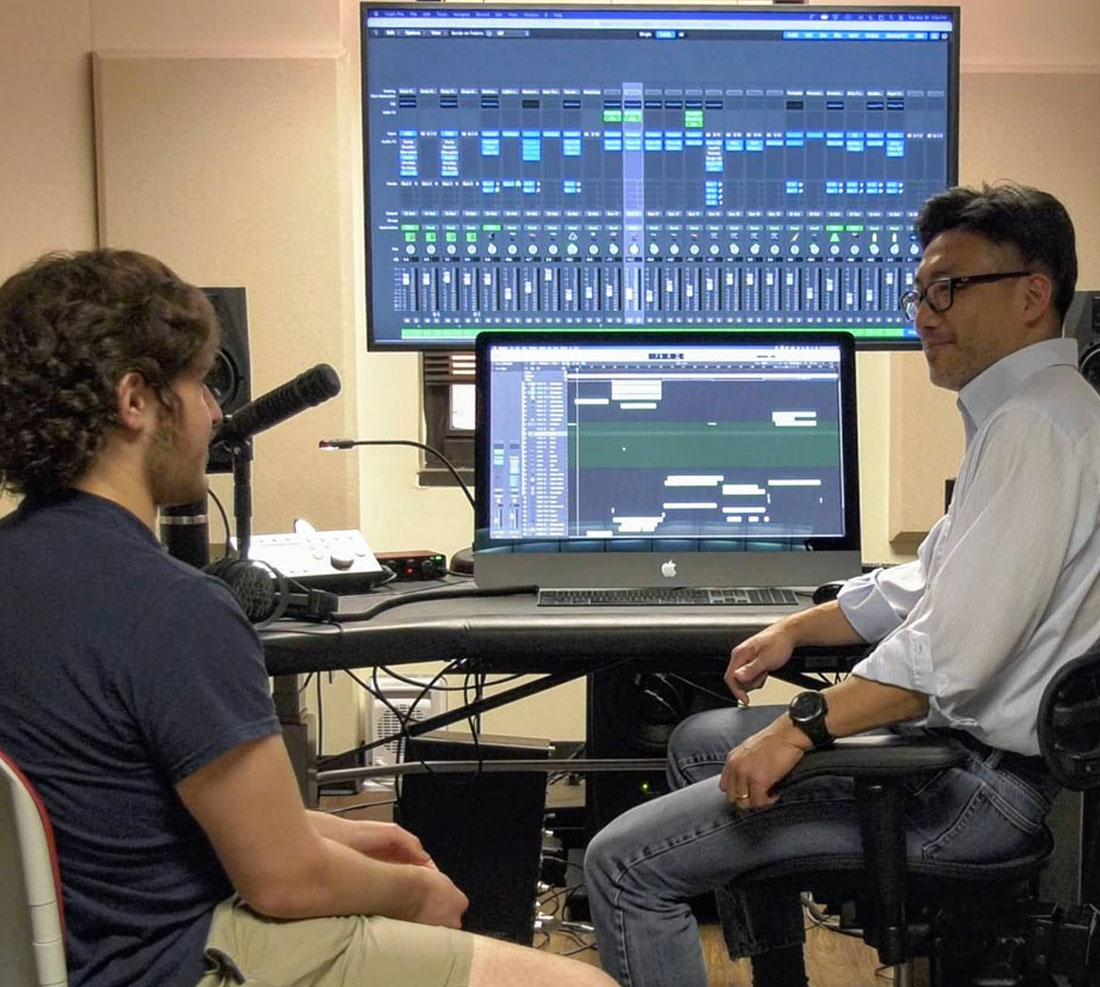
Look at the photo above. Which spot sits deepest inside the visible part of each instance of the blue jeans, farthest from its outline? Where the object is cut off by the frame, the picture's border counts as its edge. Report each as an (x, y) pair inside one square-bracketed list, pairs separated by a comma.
[(642, 868)]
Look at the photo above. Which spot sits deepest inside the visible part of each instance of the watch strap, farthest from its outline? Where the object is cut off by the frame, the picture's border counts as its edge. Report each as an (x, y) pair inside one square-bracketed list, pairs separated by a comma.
[(814, 726)]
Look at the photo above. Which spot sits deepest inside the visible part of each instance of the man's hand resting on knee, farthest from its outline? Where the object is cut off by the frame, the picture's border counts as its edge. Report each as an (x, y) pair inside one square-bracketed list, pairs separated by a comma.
[(755, 767)]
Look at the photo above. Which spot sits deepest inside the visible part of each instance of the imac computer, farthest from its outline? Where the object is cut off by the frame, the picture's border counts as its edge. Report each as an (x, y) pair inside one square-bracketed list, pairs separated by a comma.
[(666, 458)]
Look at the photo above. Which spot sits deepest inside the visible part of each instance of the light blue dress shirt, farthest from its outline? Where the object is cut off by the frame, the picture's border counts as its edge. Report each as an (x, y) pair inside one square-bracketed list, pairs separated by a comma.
[(1006, 587)]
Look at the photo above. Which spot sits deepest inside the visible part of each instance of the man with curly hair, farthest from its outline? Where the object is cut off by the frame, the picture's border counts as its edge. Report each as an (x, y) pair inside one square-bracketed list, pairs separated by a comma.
[(133, 691)]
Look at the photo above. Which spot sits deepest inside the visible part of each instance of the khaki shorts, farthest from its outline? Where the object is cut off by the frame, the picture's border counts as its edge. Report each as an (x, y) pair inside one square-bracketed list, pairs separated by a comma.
[(354, 951)]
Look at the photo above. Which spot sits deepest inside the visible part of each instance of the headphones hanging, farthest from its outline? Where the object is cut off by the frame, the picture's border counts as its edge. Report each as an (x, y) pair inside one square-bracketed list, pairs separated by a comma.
[(266, 595)]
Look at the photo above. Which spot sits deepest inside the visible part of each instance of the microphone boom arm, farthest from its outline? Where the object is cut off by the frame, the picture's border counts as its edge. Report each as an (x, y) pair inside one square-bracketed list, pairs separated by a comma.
[(306, 390)]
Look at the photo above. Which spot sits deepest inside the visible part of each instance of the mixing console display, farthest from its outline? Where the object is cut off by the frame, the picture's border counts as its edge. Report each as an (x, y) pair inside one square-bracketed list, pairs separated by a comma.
[(536, 168)]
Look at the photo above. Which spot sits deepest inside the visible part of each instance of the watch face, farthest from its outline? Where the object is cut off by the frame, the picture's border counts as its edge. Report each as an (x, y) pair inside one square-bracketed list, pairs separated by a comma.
[(806, 705)]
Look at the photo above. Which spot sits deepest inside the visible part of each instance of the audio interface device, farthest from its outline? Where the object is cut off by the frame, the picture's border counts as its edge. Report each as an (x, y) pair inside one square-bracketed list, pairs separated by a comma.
[(416, 565)]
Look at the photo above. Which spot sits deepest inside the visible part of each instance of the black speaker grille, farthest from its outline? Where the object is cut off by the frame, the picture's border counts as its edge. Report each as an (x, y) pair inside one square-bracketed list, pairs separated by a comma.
[(230, 380)]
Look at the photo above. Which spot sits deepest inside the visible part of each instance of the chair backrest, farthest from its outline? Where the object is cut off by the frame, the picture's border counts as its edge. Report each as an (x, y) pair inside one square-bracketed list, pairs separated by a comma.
[(1069, 723), (32, 931)]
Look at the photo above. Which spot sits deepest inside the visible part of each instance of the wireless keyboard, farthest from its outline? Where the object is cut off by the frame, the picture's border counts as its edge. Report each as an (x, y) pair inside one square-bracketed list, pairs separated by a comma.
[(668, 596)]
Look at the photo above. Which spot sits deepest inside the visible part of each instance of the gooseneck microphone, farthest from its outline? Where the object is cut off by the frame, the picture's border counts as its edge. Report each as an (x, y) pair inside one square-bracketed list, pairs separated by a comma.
[(352, 443), (462, 562), (304, 391)]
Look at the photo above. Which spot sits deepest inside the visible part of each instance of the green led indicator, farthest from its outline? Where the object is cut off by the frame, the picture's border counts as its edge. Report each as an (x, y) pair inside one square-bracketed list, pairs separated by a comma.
[(430, 236), (471, 238), (490, 227), (410, 238), (632, 116), (693, 119), (450, 236), (612, 116), (410, 227), (854, 229)]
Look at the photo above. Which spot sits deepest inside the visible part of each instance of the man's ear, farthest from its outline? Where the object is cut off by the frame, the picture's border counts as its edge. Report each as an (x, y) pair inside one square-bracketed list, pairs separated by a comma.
[(1039, 297), (134, 400)]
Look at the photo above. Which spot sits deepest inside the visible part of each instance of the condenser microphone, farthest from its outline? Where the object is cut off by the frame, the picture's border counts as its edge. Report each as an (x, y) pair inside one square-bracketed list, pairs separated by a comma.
[(304, 391)]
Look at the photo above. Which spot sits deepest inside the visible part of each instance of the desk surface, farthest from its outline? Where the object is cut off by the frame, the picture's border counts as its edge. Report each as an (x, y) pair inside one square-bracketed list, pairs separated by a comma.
[(510, 634)]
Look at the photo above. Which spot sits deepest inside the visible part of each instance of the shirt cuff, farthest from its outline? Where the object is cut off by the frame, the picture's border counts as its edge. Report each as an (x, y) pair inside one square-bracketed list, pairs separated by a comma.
[(904, 660)]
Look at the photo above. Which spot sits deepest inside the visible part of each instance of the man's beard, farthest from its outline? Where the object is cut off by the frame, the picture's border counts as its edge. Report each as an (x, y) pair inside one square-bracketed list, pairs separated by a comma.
[(172, 479)]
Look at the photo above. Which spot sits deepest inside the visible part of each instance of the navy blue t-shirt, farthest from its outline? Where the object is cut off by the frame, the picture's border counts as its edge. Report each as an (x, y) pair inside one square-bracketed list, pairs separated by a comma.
[(122, 671)]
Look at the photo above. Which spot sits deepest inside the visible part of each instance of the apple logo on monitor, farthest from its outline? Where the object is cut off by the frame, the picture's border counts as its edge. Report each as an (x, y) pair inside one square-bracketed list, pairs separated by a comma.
[(668, 569)]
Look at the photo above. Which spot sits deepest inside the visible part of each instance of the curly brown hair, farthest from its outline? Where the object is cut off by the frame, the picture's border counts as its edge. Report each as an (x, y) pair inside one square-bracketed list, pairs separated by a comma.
[(71, 326)]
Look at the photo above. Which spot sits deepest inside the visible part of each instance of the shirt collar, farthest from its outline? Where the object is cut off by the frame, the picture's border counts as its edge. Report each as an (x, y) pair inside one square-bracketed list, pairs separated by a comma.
[(996, 384), (69, 498)]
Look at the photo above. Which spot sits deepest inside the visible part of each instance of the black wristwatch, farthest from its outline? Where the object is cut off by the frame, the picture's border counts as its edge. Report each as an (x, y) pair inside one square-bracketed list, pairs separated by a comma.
[(807, 712)]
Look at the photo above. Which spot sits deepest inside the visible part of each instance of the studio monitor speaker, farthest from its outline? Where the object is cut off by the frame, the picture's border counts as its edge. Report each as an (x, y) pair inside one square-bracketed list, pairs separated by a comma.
[(230, 380), (483, 830), (1083, 324)]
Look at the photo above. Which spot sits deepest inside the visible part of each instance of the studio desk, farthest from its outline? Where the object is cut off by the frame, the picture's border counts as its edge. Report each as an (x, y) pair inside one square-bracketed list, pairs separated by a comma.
[(500, 635), (511, 634)]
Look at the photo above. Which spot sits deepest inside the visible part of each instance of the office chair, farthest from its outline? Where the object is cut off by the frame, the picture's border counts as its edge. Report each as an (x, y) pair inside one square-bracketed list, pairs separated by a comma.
[(978, 924), (32, 929)]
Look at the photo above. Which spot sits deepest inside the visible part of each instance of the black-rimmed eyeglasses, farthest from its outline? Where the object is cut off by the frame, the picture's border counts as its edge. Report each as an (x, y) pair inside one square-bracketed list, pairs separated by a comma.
[(940, 293)]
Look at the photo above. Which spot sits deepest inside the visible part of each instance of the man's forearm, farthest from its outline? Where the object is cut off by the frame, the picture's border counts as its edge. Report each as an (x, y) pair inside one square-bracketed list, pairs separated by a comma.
[(754, 659), (757, 765), (248, 804), (822, 625), (857, 705), (334, 879)]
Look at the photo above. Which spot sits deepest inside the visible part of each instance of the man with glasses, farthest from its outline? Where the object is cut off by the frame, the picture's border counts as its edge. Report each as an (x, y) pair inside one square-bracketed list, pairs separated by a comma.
[(1004, 590)]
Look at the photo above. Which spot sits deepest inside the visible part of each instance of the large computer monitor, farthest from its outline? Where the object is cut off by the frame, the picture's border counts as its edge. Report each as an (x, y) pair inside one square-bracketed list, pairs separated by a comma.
[(608, 167), (666, 458)]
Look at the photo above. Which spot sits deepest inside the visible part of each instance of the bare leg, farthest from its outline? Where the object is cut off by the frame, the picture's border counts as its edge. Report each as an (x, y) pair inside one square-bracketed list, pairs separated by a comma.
[(504, 964)]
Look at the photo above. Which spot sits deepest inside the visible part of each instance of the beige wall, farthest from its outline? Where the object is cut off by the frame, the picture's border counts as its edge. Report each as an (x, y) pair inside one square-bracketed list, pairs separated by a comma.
[(47, 194), (226, 198), (253, 177)]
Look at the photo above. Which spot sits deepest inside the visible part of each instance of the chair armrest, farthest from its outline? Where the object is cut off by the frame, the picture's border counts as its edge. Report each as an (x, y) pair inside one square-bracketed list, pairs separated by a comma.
[(873, 761), (880, 756)]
